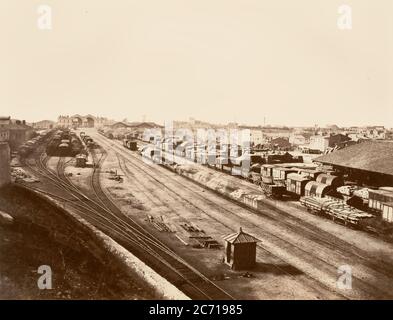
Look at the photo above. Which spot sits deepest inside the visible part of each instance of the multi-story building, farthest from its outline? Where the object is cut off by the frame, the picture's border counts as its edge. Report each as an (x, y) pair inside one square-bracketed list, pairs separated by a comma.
[(4, 130), (78, 121), (323, 142), (15, 132), (44, 124), (297, 139)]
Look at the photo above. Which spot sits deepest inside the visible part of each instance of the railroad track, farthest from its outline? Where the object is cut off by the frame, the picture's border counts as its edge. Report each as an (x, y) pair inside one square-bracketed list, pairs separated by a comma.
[(103, 213), (322, 239)]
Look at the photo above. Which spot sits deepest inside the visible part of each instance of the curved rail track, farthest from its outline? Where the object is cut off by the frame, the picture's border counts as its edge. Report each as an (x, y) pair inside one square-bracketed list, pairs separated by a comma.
[(322, 240), (100, 210)]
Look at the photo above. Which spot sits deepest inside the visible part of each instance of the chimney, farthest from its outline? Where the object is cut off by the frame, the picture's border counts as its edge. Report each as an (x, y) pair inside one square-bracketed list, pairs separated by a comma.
[(24, 122)]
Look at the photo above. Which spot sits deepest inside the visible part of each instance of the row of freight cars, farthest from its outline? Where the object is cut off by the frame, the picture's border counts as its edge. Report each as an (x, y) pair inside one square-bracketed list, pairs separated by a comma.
[(28, 147), (314, 186), (295, 180), (88, 141), (64, 143), (113, 134), (278, 174), (282, 174)]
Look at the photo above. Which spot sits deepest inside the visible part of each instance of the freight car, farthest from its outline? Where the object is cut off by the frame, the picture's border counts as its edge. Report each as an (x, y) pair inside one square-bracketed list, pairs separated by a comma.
[(336, 209), (273, 190), (25, 150), (130, 144), (63, 149), (267, 170), (64, 144), (281, 173), (377, 198), (296, 184), (314, 188), (310, 173)]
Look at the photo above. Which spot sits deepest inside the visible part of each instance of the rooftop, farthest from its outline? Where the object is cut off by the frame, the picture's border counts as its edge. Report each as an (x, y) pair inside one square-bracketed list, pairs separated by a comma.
[(240, 237), (374, 156)]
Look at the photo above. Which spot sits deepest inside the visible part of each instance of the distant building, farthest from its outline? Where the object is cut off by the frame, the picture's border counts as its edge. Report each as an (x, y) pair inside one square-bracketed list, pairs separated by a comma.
[(15, 132), (120, 130), (256, 135), (78, 121), (280, 144), (297, 140), (276, 132), (369, 162), (119, 125), (4, 135), (4, 130), (5, 174), (323, 143), (20, 132), (44, 124)]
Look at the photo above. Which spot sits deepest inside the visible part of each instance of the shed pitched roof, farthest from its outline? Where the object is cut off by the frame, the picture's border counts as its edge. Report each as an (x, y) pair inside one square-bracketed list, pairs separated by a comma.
[(374, 156), (240, 237)]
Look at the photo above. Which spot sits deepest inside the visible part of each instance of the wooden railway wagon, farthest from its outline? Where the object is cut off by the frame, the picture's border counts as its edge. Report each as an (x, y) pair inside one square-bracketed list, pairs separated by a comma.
[(296, 184), (255, 174), (336, 209), (25, 150), (130, 144), (273, 190), (281, 173), (275, 158), (246, 160), (63, 150), (87, 139), (387, 211), (310, 173), (267, 170), (378, 197)]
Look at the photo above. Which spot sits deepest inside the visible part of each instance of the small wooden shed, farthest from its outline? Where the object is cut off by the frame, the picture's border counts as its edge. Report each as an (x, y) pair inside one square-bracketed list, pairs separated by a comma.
[(240, 250)]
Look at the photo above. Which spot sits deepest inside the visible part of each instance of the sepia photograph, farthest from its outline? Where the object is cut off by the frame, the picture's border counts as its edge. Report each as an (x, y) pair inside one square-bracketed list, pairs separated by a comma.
[(179, 150)]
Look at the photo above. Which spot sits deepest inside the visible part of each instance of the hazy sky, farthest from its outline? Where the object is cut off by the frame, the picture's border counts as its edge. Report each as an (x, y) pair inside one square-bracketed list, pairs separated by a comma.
[(217, 60)]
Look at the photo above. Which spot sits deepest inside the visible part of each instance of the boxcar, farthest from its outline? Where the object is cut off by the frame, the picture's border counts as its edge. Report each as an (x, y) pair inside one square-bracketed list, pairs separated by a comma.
[(296, 183), (378, 197)]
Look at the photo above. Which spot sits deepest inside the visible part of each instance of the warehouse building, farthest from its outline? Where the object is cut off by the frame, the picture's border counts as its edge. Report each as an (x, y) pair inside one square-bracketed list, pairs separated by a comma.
[(368, 163)]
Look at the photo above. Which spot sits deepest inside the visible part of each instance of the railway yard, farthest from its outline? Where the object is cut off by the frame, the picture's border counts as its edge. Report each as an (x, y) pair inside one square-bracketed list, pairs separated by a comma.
[(174, 218)]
